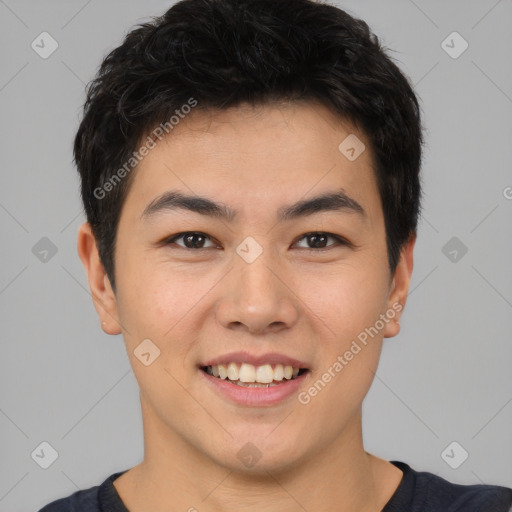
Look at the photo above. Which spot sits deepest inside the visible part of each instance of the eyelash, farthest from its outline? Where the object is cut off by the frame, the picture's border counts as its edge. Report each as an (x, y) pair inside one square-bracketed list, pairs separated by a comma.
[(340, 240)]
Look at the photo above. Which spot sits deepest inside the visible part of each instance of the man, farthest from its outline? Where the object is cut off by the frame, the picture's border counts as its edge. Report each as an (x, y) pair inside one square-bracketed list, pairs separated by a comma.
[(250, 175)]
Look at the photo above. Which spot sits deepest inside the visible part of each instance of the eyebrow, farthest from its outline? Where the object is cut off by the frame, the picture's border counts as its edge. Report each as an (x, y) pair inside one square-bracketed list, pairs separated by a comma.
[(174, 200)]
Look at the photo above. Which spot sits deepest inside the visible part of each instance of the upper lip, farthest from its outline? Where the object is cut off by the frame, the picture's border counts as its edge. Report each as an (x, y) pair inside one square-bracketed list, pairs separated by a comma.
[(256, 360)]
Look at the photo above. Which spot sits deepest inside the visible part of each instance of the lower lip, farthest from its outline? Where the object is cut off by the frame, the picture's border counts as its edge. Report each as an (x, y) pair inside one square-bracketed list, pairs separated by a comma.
[(255, 397)]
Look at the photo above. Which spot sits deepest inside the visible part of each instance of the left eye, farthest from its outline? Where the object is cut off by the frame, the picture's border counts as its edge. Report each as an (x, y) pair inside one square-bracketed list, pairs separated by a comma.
[(195, 240), (318, 238)]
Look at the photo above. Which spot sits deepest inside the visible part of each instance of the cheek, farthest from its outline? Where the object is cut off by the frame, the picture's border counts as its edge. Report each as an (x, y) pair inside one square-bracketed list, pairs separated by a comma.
[(165, 305), (349, 304), (153, 310), (348, 299), (349, 352)]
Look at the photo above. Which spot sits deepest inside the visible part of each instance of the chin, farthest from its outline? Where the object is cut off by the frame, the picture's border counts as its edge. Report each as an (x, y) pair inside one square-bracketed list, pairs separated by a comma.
[(255, 453)]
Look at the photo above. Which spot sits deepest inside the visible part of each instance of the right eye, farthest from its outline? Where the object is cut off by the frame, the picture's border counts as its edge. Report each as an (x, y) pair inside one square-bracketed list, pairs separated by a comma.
[(192, 240)]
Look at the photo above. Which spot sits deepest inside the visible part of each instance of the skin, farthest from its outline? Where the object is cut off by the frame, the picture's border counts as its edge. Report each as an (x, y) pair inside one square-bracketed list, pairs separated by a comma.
[(198, 305)]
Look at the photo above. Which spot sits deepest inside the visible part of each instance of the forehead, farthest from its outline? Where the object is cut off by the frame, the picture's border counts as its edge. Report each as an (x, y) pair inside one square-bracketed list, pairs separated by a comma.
[(252, 158)]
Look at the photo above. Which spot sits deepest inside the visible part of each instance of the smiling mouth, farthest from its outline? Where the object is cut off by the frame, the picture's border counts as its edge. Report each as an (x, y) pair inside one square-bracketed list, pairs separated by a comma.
[(248, 375)]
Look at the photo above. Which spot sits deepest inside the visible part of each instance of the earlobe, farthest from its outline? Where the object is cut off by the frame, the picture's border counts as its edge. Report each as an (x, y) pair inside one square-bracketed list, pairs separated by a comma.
[(399, 288), (103, 296)]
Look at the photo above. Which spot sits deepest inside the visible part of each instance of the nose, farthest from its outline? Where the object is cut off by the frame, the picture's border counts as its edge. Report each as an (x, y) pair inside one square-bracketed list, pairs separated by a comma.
[(257, 297)]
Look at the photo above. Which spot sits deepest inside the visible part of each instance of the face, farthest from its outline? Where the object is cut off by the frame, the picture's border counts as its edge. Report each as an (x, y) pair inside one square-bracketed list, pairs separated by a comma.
[(255, 280)]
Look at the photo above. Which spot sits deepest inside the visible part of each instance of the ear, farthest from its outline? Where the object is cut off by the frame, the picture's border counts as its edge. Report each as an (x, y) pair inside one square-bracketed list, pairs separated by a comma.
[(104, 298), (400, 287)]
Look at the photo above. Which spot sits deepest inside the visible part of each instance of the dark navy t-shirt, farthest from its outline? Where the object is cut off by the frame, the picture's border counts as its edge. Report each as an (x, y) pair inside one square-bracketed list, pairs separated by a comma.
[(417, 492)]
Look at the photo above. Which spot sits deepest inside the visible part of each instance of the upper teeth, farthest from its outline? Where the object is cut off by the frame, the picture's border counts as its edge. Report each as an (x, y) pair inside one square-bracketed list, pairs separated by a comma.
[(245, 372)]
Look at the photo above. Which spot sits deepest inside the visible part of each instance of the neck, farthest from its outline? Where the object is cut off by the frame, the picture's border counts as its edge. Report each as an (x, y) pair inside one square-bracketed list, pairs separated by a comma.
[(341, 477)]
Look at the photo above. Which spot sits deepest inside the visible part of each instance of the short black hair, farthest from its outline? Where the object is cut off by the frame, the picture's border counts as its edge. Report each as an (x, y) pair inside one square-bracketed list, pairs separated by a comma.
[(217, 54)]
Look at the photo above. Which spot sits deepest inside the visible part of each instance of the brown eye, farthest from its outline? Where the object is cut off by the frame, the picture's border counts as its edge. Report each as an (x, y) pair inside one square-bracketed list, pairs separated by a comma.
[(191, 240), (318, 240)]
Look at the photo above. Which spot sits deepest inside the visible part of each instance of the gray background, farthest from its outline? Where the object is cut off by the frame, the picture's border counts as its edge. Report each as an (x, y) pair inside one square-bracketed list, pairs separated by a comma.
[(445, 378)]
